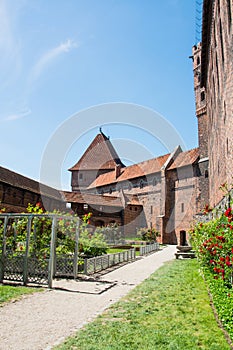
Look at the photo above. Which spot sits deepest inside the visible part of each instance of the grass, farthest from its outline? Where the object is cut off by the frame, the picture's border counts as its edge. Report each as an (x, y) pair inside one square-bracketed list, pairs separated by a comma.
[(169, 311), (118, 250), (8, 293), (115, 250)]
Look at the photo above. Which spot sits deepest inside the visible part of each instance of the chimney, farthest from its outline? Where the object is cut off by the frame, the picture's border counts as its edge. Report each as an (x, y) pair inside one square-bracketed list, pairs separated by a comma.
[(117, 170)]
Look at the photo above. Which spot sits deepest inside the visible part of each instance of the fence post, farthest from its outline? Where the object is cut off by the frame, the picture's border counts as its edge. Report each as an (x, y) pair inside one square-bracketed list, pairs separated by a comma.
[(2, 262), (25, 264), (75, 268), (52, 252), (85, 266)]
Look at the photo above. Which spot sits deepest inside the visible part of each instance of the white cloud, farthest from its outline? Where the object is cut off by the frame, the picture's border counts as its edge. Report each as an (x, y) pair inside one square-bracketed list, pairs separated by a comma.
[(50, 56), (23, 113)]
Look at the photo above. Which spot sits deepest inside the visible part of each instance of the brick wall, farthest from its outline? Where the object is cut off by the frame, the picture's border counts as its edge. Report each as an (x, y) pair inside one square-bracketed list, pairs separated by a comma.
[(180, 205), (219, 92), (15, 199), (81, 179)]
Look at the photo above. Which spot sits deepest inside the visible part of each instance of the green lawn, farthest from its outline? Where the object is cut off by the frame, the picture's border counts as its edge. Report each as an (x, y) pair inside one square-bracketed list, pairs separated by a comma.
[(115, 250), (118, 250), (8, 293), (168, 311)]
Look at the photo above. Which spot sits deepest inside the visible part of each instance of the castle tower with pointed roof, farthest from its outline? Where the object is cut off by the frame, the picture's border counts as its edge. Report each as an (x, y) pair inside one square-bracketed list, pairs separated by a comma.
[(99, 158)]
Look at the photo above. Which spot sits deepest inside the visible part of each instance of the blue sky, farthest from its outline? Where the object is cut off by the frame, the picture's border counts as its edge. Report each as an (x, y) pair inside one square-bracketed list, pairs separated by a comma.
[(60, 57)]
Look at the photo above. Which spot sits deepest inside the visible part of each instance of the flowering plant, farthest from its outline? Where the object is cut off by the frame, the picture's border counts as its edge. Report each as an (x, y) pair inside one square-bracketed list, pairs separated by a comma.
[(213, 242)]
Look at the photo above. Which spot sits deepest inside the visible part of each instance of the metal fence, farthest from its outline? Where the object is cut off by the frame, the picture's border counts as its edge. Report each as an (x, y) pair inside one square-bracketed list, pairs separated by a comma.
[(26, 257), (103, 262), (146, 249)]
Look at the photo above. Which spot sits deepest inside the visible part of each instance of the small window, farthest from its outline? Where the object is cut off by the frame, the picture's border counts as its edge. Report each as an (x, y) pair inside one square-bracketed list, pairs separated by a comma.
[(182, 207), (202, 95), (130, 208), (141, 184), (135, 209), (80, 176), (198, 60), (151, 209), (206, 174), (155, 181), (110, 190)]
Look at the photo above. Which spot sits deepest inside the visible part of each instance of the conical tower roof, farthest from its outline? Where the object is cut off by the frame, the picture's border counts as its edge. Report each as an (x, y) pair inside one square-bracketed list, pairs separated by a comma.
[(99, 155)]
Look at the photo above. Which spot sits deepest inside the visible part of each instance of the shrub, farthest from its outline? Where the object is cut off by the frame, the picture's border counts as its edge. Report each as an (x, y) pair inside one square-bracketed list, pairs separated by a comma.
[(148, 234), (40, 235), (213, 242), (111, 233)]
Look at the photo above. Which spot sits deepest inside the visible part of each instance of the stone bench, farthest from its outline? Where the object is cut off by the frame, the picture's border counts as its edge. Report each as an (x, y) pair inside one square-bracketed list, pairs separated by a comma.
[(190, 254)]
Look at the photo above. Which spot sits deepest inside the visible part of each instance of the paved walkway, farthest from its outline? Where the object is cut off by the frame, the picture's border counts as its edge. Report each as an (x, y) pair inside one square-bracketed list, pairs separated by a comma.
[(42, 320)]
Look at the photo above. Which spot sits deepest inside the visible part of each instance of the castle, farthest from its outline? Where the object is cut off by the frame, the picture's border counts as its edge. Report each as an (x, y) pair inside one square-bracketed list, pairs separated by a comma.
[(164, 193)]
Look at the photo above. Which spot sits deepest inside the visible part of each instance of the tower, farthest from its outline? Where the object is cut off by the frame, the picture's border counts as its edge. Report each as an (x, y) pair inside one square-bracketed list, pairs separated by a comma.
[(200, 101), (99, 158), (202, 119)]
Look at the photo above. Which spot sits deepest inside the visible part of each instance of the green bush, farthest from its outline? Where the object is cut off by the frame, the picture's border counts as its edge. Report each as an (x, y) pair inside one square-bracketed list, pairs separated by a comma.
[(111, 233), (213, 242), (40, 235), (148, 234), (91, 245)]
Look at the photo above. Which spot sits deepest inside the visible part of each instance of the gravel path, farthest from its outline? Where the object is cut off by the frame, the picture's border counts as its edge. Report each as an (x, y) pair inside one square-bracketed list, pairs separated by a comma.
[(42, 320)]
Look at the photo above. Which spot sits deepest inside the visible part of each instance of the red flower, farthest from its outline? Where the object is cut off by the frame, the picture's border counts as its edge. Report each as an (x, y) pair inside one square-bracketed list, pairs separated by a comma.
[(228, 212), (222, 259)]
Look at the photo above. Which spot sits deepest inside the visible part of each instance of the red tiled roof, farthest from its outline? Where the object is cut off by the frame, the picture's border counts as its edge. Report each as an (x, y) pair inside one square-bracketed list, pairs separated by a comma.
[(99, 155), (137, 170), (185, 158), (132, 199), (86, 198), (14, 179)]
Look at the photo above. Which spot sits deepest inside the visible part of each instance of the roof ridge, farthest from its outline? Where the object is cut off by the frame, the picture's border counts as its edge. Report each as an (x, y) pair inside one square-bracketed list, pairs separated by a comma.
[(100, 154)]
